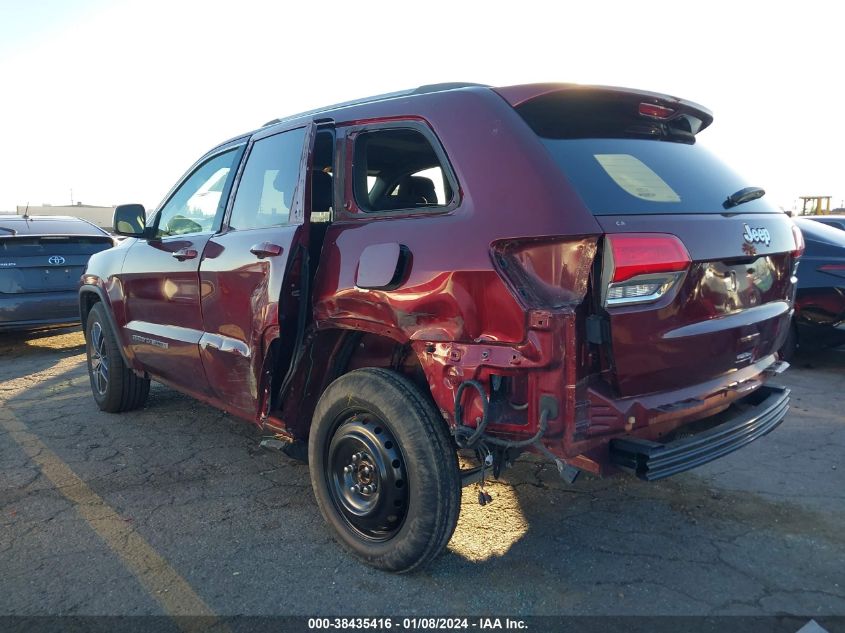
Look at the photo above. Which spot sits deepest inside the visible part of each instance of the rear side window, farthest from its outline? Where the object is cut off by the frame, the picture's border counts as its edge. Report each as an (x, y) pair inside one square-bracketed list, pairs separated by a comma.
[(269, 182), (399, 169), (622, 162)]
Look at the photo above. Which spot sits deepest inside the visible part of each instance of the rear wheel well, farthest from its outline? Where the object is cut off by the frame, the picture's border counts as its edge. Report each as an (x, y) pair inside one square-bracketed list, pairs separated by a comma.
[(374, 350), (331, 353)]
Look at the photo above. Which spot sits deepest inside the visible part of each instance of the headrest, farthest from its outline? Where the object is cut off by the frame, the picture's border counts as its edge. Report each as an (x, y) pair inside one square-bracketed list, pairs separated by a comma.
[(418, 189), (282, 181)]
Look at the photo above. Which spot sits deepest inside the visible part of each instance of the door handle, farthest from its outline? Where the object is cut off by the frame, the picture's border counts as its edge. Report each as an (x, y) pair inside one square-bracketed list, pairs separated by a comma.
[(185, 253), (266, 249)]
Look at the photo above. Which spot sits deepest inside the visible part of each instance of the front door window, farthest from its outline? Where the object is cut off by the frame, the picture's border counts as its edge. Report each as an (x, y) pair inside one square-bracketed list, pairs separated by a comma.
[(197, 206)]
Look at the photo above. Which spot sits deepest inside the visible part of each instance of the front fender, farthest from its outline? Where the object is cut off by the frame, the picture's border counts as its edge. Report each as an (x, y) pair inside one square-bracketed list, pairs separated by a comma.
[(91, 293)]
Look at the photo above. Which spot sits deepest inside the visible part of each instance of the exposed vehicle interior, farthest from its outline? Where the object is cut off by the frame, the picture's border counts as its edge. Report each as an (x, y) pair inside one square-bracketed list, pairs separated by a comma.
[(322, 195), (397, 168), (322, 192)]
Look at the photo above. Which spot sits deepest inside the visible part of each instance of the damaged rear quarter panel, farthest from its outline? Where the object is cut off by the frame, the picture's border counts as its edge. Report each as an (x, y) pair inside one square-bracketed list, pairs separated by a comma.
[(452, 291)]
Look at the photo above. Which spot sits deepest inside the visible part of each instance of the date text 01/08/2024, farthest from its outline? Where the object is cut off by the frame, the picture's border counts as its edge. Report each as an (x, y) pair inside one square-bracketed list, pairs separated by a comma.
[(415, 624)]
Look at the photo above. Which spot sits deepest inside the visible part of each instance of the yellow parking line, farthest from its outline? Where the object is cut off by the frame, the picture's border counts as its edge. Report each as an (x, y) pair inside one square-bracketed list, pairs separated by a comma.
[(157, 576)]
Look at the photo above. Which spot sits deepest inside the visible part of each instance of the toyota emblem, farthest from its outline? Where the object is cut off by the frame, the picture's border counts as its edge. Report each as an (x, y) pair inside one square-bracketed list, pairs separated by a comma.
[(56, 260)]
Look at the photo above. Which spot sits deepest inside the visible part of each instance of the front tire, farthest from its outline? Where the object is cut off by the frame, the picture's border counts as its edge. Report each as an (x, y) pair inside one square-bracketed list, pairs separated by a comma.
[(383, 470), (115, 387)]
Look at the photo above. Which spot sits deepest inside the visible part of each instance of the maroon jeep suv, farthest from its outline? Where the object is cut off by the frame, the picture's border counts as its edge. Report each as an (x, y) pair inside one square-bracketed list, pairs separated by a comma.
[(386, 282)]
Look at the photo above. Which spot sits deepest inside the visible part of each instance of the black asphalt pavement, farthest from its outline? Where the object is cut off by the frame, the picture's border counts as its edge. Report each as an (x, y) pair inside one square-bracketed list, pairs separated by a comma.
[(761, 531)]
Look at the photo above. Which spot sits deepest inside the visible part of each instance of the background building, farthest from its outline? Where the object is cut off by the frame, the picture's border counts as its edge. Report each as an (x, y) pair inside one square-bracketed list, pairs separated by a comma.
[(101, 216)]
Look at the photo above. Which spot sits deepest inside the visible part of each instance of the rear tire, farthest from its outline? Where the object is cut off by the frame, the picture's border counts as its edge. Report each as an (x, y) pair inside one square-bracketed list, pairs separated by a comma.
[(374, 430), (116, 388)]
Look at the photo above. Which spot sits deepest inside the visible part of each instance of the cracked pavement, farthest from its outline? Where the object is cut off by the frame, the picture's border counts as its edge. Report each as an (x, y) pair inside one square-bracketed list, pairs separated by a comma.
[(761, 531)]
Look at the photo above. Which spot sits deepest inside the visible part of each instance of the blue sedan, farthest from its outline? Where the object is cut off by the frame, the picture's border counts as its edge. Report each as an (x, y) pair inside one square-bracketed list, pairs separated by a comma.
[(41, 261)]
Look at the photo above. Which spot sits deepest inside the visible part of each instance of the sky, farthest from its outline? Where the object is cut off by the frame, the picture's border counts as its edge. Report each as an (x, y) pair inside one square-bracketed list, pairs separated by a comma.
[(113, 100)]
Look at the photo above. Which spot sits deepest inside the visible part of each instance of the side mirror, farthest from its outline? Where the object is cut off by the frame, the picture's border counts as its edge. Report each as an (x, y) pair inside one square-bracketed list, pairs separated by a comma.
[(130, 220)]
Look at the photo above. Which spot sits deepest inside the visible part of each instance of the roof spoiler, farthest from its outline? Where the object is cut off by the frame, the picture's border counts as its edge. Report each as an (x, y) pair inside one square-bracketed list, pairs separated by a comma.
[(651, 104)]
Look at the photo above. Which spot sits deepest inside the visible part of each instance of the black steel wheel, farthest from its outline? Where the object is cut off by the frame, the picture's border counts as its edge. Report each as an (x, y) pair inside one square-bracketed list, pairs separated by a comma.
[(367, 477), (115, 387), (383, 470)]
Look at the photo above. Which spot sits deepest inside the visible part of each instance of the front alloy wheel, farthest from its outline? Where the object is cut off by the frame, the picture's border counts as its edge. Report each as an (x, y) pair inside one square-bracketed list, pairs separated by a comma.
[(99, 359), (114, 386)]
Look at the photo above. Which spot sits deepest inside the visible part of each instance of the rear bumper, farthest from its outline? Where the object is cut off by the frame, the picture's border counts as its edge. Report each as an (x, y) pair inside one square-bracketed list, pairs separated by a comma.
[(38, 309), (750, 418)]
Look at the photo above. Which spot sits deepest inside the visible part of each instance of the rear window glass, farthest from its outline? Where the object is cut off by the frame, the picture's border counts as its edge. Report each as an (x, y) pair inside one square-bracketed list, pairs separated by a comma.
[(35, 246), (635, 177), (47, 226), (618, 176)]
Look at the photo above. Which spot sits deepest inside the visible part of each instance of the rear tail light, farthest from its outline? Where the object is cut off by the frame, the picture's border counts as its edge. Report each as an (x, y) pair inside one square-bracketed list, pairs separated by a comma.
[(547, 273), (798, 236), (641, 267), (636, 254), (655, 111)]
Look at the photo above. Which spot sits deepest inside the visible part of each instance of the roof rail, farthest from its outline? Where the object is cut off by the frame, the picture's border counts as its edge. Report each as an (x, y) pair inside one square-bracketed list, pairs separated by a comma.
[(448, 85), (421, 90)]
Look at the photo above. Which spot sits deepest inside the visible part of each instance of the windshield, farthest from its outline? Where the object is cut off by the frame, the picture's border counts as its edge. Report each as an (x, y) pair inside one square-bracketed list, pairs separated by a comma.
[(642, 176)]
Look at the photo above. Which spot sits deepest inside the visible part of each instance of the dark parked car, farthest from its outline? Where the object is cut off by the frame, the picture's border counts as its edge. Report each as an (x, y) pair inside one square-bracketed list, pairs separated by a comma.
[(41, 261), (819, 319), (549, 267), (836, 221)]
